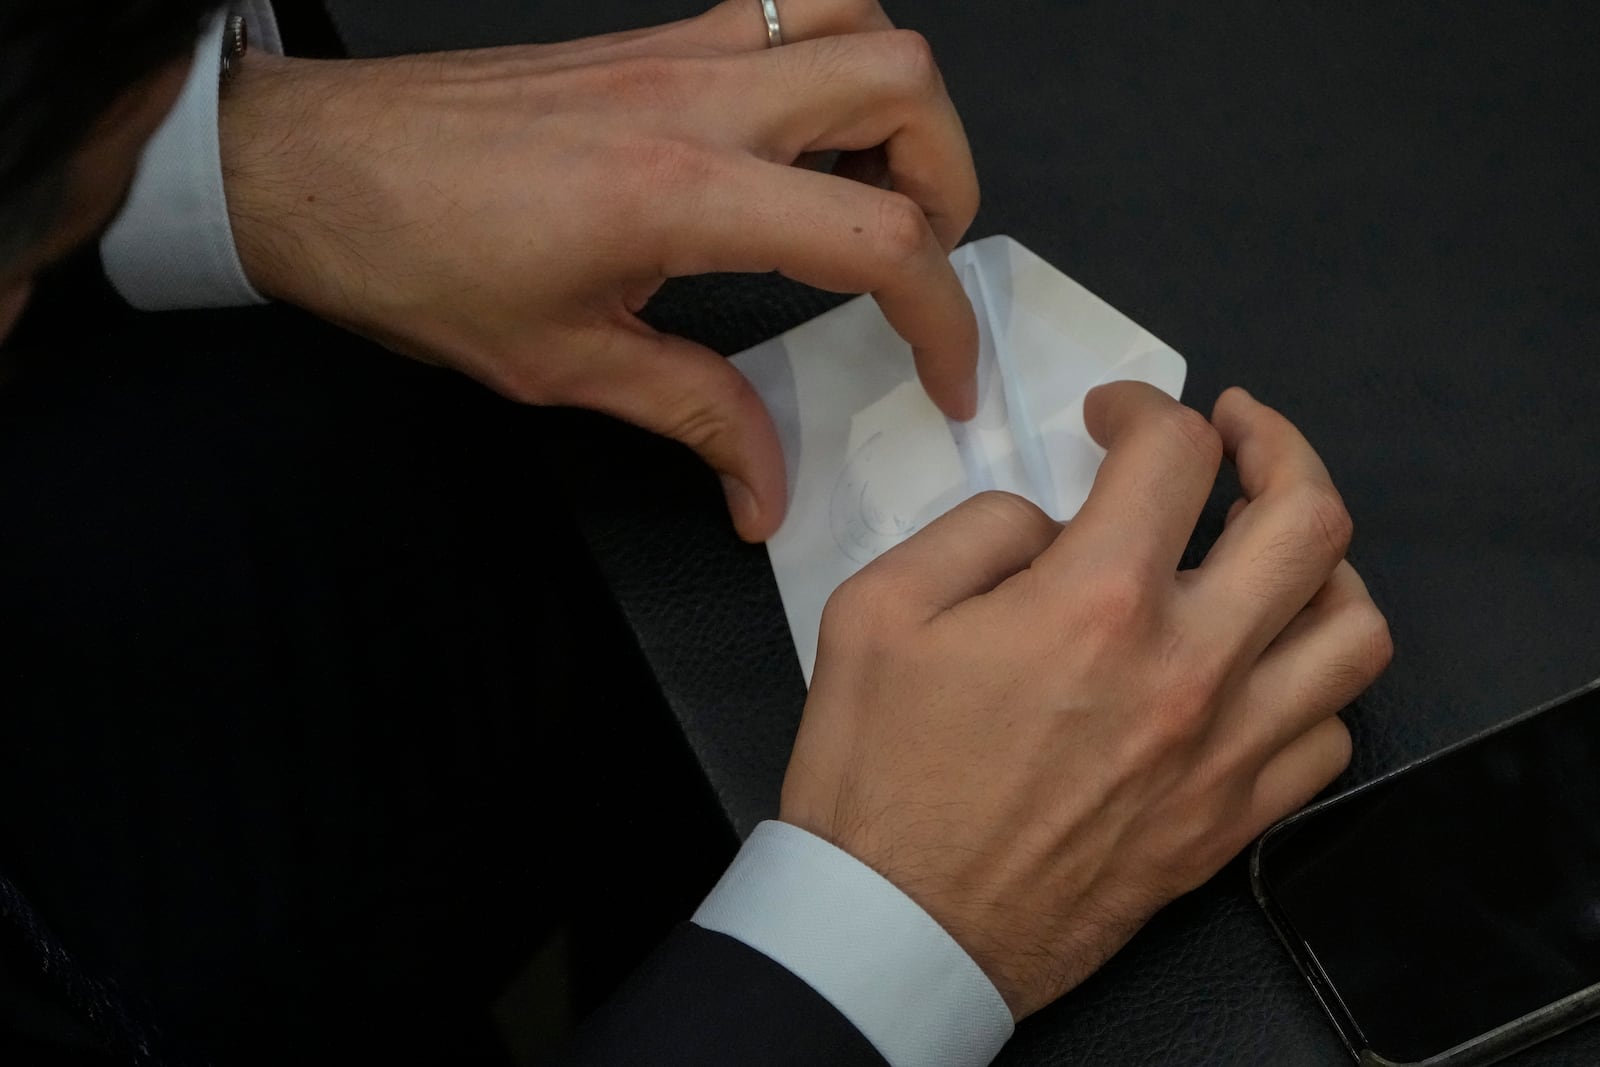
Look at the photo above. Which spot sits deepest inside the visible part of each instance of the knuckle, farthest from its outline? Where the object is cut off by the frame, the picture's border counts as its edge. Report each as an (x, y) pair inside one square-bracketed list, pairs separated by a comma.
[(1327, 520), (1375, 642), (844, 612), (1118, 603), (868, 622), (1182, 708), (711, 414), (1195, 432), (912, 56), (699, 426), (865, 608), (902, 229), (1016, 512), (1179, 691)]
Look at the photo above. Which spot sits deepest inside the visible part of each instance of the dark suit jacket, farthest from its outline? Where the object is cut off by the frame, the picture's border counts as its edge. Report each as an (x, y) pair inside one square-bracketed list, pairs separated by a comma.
[(122, 798)]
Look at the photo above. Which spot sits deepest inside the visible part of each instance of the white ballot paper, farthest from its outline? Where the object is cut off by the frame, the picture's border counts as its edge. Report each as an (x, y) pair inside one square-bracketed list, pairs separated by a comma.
[(871, 460)]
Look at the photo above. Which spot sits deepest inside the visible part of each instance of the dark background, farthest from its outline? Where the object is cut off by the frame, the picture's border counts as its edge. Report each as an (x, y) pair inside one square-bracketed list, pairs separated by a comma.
[(1380, 218)]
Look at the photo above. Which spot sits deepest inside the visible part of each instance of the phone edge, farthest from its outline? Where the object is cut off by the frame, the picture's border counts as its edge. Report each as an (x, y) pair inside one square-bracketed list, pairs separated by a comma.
[(1486, 1048)]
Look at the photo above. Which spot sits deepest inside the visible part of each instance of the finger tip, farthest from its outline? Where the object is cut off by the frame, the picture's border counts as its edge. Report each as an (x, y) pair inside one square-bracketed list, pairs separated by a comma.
[(1094, 405), (957, 399), (759, 531), (1233, 395), (742, 506), (965, 406), (754, 521)]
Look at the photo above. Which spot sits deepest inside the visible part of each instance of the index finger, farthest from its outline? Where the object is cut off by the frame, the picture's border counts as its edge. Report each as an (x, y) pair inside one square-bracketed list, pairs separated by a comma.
[(844, 237), (1161, 461), (863, 91), (738, 25)]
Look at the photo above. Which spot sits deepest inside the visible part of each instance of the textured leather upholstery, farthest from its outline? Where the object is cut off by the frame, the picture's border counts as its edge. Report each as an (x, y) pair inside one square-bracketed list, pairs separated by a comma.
[(1381, 221)]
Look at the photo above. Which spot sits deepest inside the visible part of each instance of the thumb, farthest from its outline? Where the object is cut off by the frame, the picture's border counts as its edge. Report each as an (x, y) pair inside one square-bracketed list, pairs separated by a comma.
[(685, 391)]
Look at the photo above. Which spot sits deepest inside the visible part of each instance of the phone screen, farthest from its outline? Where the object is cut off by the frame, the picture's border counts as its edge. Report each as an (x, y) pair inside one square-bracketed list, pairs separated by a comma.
[(1456, 896)]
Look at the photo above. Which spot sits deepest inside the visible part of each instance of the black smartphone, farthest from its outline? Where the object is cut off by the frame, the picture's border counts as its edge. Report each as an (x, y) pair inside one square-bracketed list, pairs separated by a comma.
[(1448, 913)]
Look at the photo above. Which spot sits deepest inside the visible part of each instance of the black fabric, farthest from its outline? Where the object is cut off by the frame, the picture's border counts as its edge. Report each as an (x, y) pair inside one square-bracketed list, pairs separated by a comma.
[(48, 1005), (704, 999), (1379, 218), (307, 30), (317, 717)]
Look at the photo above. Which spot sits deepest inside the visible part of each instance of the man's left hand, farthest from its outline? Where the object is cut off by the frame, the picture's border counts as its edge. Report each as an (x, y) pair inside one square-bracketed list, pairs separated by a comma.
[(508, 212)]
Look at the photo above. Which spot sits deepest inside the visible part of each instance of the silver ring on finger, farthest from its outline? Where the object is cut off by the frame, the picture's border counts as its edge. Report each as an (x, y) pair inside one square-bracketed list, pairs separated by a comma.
[(769, 10)]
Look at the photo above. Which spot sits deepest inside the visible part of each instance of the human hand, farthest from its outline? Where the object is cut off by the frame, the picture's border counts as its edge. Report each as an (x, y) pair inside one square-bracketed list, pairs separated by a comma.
[(508, 212), (1044, 734)]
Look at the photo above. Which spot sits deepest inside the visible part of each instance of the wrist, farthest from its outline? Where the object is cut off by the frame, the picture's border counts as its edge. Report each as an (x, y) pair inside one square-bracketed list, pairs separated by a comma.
[(255, 130), (863, 945), (269, 120), (936, 891)]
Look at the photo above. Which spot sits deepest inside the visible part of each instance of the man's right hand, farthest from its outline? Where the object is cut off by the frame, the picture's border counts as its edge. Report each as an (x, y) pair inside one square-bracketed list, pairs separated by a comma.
[(1044, 734)]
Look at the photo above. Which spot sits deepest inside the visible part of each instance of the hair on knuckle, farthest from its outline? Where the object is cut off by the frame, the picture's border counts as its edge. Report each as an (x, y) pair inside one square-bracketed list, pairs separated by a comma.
[(1196, 432), (1337, 680), (727, 395), (1328, 520)]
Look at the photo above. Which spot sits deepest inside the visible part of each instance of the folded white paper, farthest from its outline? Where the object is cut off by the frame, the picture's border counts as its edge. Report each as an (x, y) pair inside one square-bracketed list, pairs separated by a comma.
[(871, 460)]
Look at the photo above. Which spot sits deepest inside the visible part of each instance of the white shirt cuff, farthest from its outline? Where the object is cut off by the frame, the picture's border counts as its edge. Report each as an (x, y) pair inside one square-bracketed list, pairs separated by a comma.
[(861, 943), (172, 246)]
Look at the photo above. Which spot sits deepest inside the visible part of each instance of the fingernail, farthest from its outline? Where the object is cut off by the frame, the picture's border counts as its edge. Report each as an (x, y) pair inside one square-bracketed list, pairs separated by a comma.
[(741, 501), (967, 401)]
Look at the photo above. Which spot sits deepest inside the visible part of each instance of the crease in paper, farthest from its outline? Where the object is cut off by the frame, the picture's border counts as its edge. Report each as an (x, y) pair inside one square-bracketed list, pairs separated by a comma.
[(871, 460)]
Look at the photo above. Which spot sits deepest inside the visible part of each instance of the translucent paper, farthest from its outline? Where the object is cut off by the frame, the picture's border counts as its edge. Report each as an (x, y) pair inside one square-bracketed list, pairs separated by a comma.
[(871, 460)]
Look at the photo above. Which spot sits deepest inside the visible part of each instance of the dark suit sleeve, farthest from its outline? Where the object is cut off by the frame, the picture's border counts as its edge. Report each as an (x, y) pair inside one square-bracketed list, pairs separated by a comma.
[(706, 999), (307, 29)]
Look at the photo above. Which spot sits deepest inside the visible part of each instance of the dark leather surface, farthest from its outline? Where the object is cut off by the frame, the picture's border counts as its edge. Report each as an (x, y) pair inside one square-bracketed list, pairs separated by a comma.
[(1380, 220)]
